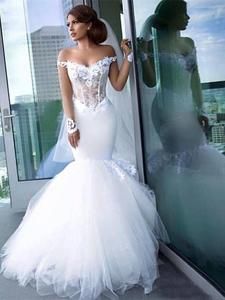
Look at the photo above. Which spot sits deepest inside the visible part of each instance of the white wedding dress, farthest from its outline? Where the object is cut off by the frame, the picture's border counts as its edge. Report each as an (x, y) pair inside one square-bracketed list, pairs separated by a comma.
[(93, 229), (187, 173)]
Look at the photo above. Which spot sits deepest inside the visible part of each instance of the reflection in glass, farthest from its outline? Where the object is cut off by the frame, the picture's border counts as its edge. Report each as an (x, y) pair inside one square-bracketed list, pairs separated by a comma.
[(181, 118)]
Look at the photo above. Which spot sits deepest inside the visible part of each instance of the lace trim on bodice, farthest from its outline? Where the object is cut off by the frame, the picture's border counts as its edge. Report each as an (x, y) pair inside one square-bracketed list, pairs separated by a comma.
[(100, 61), (89, 82), (188, 61), (179, 160)]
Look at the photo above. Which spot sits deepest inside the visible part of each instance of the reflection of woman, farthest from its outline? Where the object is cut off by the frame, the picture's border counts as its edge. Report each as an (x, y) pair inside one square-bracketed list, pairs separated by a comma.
[(187, 174), (179, 100), (93, 229)]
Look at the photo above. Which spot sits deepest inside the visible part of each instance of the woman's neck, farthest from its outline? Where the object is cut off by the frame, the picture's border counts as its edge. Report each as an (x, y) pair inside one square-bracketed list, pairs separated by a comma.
[(169, 40), (171, 35), (85, 44)]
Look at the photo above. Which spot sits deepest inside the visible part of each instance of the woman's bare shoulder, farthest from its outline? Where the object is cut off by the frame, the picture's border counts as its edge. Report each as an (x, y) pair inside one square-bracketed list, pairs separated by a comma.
[(65, 54), (188, 41), (108, 50)]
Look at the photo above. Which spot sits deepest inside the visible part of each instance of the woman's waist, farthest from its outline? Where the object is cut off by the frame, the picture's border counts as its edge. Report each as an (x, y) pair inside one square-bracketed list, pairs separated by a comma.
[(172, 92), (169, 100), (91, 104)]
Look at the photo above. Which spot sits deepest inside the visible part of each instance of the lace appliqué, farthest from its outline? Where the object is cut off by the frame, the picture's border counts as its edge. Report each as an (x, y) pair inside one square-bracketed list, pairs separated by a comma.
[(62, 64), (127, 166), (122, 168), (180, 160), (89, 82), (188, 61)]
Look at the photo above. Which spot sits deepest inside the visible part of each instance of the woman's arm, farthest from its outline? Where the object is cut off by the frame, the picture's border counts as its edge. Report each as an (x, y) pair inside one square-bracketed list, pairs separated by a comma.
[(196, 89), (147, 62), (65, 86), (118, 77), (197, 92), (198, 99), (67, 102), (195, 78), (148, 73)]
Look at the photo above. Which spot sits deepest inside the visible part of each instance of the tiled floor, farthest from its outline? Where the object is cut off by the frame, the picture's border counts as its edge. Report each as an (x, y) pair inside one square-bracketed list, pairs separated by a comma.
[(172, 284)]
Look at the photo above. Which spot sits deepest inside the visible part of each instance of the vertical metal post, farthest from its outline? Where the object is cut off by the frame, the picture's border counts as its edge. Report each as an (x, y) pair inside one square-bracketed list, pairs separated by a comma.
[(135, 90)]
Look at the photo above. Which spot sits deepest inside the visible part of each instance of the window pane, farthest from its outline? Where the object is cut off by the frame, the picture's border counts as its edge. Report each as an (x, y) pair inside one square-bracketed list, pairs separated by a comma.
[(182, 83), (33, 34)]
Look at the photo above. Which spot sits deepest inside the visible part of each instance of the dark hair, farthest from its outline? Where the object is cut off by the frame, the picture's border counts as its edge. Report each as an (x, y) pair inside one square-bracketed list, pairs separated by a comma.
[(165, 11), (85, 14)]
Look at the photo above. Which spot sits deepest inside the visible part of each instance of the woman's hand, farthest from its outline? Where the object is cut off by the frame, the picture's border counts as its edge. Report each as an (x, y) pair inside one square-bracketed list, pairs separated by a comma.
[(143, 45), (118, 75), (74, 138), (126, 47)]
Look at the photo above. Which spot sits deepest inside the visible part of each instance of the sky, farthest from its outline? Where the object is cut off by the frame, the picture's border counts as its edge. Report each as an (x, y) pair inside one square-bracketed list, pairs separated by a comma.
[(44, 12), (206, 28), (15, 26)]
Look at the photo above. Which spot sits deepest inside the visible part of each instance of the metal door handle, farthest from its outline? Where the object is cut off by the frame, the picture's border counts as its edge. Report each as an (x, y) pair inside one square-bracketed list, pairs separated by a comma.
[(7, 116)]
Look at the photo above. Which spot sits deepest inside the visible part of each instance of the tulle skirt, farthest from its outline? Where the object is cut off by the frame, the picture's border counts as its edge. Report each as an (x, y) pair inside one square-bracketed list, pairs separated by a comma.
[(92, 230)]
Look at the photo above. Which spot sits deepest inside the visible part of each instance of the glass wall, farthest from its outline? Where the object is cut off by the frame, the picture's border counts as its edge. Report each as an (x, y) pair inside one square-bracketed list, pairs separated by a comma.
[(4, 181), (180, 51), (33, 33)]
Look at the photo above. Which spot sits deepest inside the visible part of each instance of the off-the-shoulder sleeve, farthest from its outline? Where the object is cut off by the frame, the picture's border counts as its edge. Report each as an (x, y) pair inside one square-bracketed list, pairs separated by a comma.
[(62, 64), (113, 58)]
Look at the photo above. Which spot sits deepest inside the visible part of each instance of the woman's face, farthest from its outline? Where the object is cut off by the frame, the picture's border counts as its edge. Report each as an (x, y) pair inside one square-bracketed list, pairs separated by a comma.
[(180, 21), (77, 30)]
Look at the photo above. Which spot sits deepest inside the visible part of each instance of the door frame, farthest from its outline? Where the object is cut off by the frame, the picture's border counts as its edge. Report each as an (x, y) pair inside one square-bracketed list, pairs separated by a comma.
[(20, 191)]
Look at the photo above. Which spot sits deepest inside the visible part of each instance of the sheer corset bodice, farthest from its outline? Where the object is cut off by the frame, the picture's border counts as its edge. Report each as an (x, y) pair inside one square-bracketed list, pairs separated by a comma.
[(175, 71), (89, 82)]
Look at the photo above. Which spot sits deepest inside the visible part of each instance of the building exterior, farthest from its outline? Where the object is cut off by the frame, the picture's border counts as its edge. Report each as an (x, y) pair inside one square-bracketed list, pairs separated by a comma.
[(46, 43), (66, 4), (218, 133)]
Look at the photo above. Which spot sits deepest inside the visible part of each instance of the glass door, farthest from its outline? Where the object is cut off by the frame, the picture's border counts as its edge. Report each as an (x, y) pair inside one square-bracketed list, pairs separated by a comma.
[(4, 181), (180, 48), (32, 33)]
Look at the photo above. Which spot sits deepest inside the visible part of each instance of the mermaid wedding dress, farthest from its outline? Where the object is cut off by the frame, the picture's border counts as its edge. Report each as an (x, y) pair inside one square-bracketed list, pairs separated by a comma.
[(187, 173), (93, 229)]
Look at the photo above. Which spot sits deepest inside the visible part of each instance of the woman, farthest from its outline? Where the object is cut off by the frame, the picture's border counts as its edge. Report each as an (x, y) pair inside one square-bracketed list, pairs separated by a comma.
[(187, 174), (178, 103), (93, 228)]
